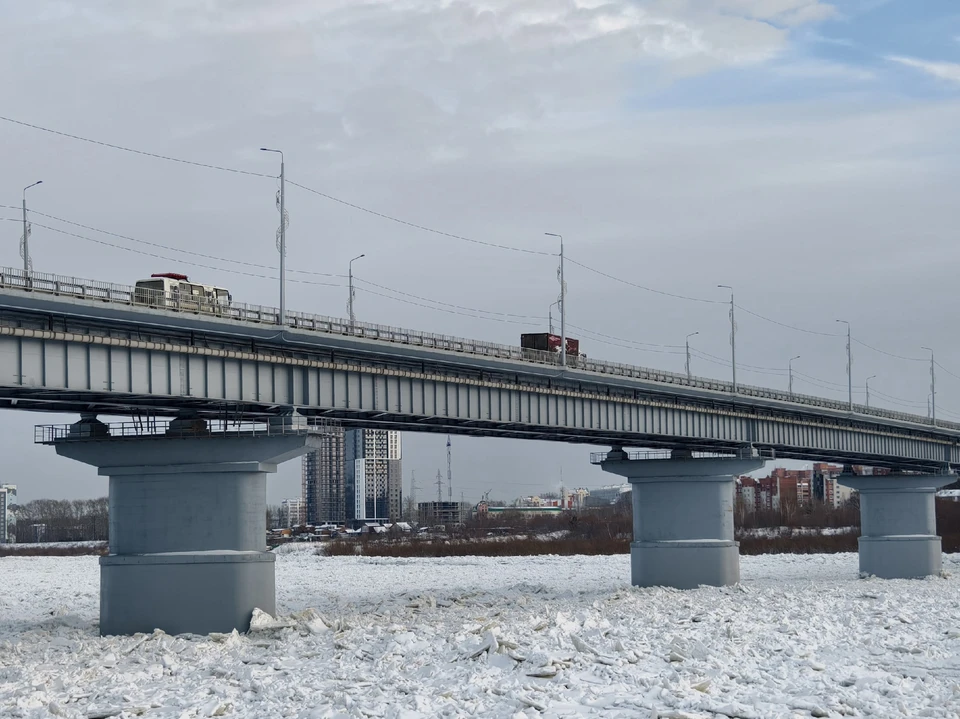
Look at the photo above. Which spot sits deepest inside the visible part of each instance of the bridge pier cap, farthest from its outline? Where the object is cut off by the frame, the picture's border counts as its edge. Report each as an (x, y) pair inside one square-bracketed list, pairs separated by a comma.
[(682, 515), (187, 519), (898, 524)]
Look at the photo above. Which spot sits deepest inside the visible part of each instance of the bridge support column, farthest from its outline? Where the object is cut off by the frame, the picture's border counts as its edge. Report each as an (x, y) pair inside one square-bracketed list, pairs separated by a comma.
[(898, 524), (187, 523), (682, 518)]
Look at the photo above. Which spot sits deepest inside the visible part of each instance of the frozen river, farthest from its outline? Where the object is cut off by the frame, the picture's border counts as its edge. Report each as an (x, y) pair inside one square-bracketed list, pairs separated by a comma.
[(524, 637)]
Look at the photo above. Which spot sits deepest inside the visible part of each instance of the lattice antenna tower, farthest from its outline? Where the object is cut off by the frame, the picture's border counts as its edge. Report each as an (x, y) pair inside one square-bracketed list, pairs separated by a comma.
[(449, 472)]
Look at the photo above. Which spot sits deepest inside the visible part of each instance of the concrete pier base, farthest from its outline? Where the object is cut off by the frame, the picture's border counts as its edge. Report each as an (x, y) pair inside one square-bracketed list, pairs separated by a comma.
[(682, 518), (898, 526), (187, 525)]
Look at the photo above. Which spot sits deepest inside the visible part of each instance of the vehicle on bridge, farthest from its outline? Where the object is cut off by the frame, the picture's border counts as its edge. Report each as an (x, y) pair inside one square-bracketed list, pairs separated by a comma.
[(175, 291), (537, 345)]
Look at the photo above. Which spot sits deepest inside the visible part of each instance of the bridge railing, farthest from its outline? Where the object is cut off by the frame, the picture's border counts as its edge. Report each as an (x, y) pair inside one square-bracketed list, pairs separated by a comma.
[(53, 433), (124, 294)]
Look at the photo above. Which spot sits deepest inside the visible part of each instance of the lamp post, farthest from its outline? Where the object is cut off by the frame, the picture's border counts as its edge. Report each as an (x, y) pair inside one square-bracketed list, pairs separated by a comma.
[(790, 373), (687, 342), (550, 316), (866, 387), (283, 239), (933, 388), (563, 305), (350, 283), (849, 368), (733, 337), (25, 245)]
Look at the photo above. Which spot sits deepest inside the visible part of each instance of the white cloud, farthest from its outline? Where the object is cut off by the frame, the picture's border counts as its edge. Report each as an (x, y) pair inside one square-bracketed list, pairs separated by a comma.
[(942, 70)]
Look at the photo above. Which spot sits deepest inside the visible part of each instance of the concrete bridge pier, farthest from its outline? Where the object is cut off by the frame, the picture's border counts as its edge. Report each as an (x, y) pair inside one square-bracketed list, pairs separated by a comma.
[(898, 524), (187, 521), (682, 516)]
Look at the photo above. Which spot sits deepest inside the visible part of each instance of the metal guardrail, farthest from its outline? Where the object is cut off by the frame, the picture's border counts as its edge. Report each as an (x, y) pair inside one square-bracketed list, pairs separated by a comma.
[(84, 431), (95, 291), (706, 453)]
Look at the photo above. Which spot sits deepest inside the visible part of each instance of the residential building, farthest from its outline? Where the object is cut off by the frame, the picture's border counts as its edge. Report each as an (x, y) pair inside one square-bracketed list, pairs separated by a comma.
[(293, 513), (436, 513), (324, 480), (372, 475), (825, 487), (8, 498)]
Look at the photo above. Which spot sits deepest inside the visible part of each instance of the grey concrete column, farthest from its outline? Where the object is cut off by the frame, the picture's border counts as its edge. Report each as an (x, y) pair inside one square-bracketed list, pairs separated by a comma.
[(682, 519), (187, 527), (898, 524)]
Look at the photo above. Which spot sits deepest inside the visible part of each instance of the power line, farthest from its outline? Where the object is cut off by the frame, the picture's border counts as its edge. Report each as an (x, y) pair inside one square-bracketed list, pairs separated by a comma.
[(889, 354), (375, 213), (789, 327), (170, 259), (324, 195), (443, 309), (154, 155), (947, 371), (721, 360), (445, 304), (642, 287), (166, 247), (622, 339), (417, 226)]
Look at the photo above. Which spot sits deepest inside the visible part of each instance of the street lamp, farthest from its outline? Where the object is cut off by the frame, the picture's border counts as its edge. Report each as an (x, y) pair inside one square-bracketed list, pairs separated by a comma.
[(25, 243), (866, 387), (550, 315), (933, 388), (563, 305), (790, 373), (849, 368), (350, 283), (733, 337), (687, 342), (283, 239)]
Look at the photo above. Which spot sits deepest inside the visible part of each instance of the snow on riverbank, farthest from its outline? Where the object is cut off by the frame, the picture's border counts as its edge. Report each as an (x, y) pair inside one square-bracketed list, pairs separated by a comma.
[(499, 637)]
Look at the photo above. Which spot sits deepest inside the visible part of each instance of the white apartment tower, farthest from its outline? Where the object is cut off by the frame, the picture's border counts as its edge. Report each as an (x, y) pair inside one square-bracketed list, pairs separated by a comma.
[(373, 474), (8, 498)]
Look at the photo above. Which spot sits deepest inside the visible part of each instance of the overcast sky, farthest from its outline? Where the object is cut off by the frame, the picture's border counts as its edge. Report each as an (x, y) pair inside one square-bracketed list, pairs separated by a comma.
[(804, 152)]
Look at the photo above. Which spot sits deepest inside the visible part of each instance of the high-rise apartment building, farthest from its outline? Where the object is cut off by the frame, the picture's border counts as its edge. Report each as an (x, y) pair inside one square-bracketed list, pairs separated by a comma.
[(8, 498), (354, 475), (373, 474), (293, 513), (324, 477)]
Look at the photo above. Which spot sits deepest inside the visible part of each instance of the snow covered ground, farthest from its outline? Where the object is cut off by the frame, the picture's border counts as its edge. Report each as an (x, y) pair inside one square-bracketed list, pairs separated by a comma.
[(495, 637)]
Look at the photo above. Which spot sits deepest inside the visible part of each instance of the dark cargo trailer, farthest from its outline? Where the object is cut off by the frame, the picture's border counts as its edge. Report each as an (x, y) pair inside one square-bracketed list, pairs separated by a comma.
[(546, 342)]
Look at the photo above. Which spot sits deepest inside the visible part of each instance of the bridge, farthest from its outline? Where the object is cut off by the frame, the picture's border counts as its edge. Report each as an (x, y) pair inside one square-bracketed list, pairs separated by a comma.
[(95, 348)]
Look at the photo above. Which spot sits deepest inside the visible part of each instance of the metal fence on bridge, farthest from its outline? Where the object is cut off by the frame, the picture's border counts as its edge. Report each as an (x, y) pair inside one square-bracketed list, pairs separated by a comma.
[(94, 291)]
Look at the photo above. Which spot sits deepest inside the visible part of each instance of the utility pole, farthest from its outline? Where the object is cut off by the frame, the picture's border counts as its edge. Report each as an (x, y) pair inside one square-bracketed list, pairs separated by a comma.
[(25, 241), (449, 472), (866, 387), (350, 314), (849, 367), (687, 342), (933, 388), (281, 238), (563, 305), (790, 373), (733, 337)]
